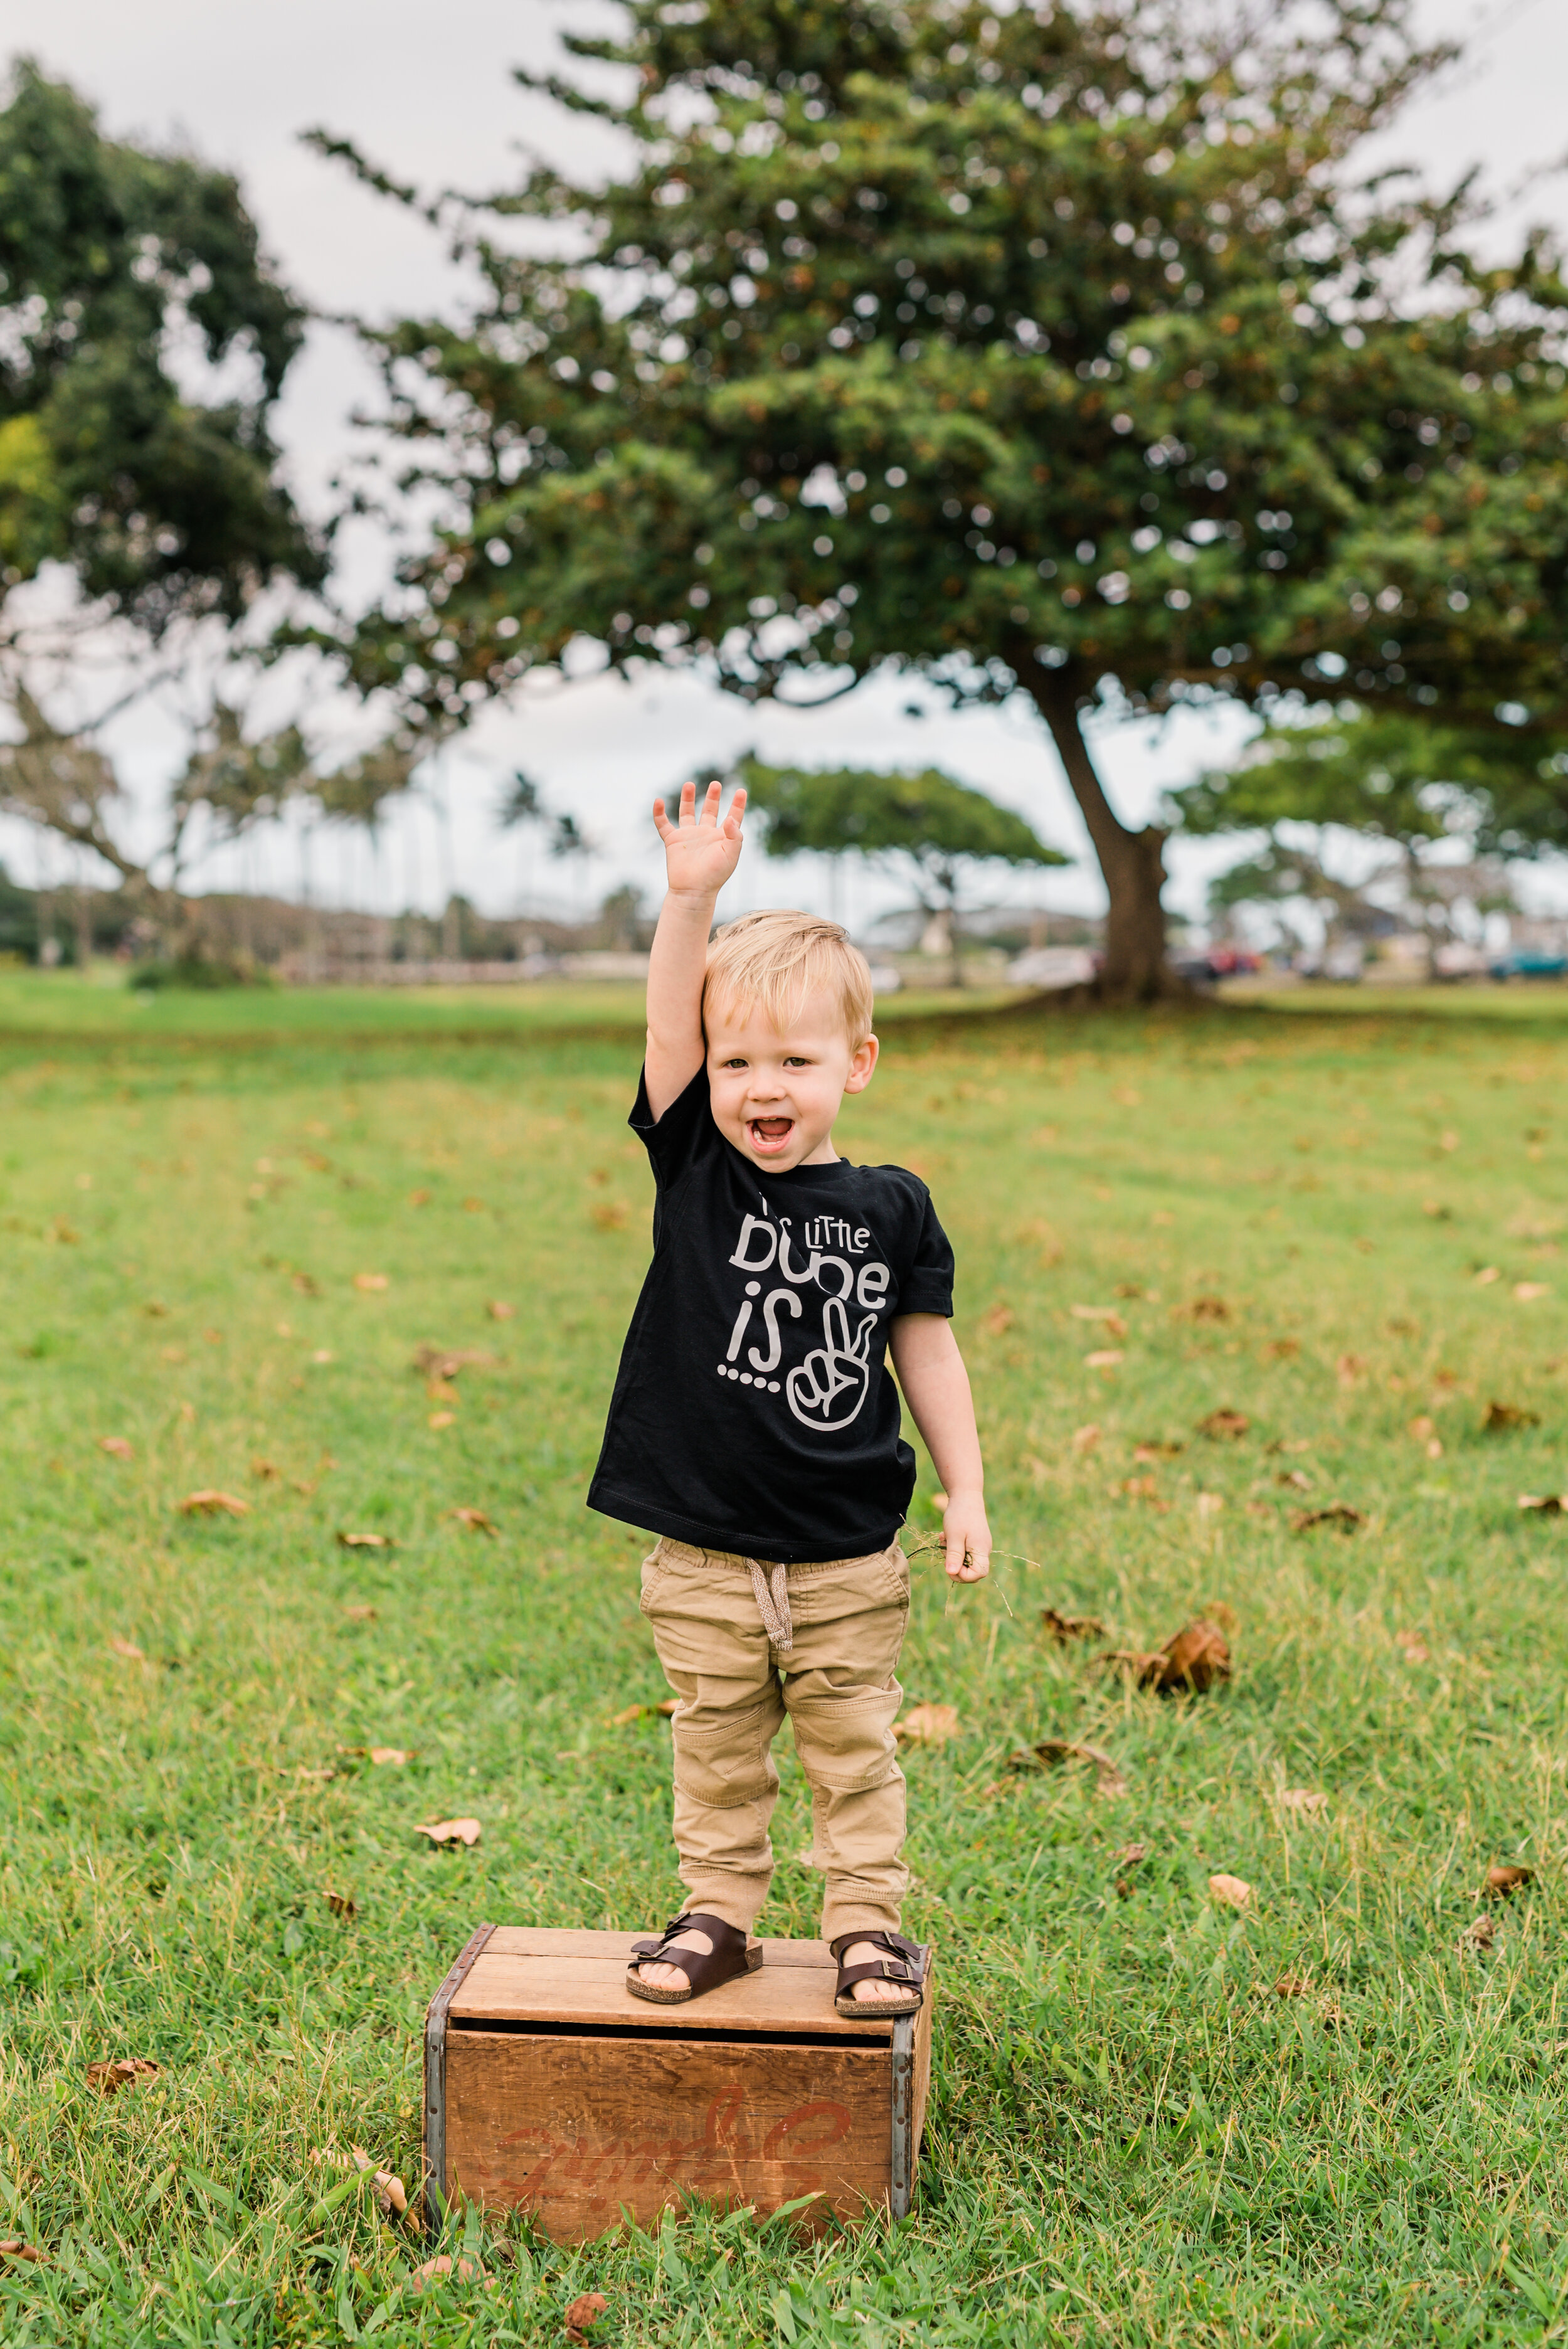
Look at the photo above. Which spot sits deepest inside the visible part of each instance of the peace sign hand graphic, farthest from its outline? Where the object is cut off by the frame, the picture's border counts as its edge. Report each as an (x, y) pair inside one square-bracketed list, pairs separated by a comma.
[(826, 1390)]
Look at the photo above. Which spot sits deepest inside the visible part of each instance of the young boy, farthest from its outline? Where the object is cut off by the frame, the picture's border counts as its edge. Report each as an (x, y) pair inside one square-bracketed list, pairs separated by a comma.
[(755, 1429)]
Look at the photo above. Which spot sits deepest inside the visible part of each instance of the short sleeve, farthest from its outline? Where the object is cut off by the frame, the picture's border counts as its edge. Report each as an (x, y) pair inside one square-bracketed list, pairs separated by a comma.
[(685, 1130), (927, 1285)]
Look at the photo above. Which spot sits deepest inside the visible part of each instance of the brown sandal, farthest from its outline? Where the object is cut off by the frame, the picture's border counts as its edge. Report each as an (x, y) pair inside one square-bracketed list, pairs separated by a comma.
[(904, 1963), (703, 1968)]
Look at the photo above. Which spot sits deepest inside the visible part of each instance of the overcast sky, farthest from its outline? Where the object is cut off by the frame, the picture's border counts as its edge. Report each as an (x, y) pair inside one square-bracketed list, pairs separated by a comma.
[(430, 94)]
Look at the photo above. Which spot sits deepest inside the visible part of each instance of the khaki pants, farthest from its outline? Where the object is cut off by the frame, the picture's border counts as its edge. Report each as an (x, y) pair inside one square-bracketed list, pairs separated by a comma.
[(838, 1687)]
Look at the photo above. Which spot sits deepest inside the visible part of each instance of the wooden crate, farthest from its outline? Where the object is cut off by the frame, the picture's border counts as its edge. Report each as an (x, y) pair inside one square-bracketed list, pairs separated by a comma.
[(549, 2089)]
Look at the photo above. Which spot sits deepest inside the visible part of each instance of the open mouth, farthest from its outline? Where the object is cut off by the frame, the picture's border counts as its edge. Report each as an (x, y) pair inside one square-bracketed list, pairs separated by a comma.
[(768, 1135)]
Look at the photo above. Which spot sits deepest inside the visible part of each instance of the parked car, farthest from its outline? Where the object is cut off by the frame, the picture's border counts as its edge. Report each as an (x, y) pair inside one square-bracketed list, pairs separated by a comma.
[(1529, 962)]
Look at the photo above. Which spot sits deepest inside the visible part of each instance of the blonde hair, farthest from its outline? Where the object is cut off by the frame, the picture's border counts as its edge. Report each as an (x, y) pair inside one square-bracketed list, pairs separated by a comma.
[(777, 959)]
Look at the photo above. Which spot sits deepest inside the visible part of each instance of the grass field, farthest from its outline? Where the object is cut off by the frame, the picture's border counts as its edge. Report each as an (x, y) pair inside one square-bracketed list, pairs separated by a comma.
[(1136, 2136)]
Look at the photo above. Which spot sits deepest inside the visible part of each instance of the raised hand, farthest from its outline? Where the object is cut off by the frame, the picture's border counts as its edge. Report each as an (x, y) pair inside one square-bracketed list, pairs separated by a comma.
[(701, 851)]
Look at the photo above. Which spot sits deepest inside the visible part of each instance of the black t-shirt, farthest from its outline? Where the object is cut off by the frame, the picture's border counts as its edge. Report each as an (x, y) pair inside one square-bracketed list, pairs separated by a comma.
[(753, 1410)]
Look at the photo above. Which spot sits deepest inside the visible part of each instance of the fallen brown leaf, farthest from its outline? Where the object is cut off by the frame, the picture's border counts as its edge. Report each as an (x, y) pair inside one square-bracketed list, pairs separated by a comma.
[(1297, 1478), (1051, 1751), (1210, 1503), (420, 1198), (609, 1214), (1106, 1315), (342, 1904), (1105, 1359), (305, 1284), (128, 1649), (1550, 1504), (475, 1519), (1202, 1308), (1312, 1804), (498, 1310), (1085, 1438), (1481, 1935), (116, 1446), (1291, 1986), (1502, 1416), (1412, 1647), (1508, 1879), (1063, 1628), (366, 1541), (11, 2247), (368, 1282), (1140, 1488), (123, 2072), (1197, 1657), (585, 2310), (1224, 1426), (1131, 1855), (210, 1504), (1350, 1369), (1526, 1291), (361, 1614), (1487, 1274), (445, 1362), (392, 1756), (441, 1418), (1282, 1349), (1338, 1513), (1231, 1891), (265, 1472), (452, 1831), (1154, 1449), (928, 1725), (999, 1321)]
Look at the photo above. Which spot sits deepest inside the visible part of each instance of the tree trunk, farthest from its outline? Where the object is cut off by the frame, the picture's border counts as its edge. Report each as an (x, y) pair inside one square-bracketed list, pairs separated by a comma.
[(1133, 864), (82, 908)]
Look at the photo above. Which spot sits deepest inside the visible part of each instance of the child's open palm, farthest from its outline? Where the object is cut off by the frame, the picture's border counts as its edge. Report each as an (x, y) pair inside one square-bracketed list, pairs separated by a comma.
[(700, 851)]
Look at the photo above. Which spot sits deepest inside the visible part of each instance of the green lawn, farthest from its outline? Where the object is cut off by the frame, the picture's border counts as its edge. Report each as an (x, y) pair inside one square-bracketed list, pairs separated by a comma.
[(1136, 2138)]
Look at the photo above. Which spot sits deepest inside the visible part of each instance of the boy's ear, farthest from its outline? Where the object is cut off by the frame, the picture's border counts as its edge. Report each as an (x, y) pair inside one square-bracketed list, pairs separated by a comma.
[(862, 1066)]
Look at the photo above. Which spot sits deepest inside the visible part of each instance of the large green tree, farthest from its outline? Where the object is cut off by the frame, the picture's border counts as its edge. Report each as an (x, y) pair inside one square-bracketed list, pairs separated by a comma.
[(164, 505), (1050, 351), (928, 826)]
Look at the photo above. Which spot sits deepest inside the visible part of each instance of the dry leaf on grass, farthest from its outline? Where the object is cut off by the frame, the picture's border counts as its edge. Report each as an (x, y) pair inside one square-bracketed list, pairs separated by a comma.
[(1210, 1503), (609, 1214), (1132, 1854), (305, 1284), (1487, 1274), (361, 1614), (391, 2195), (116, 1446), (391, 1756), (1154, 1449), (1085, 1438), (499, 1310), (445, 1362), (368, 1282), (1549, 1504), (1506, 1878), (1296, 1479), (265, 1472), (1106, 1359), (1231, 1891), (124, 2071), (1063, 1628), (1106, 1315), (342, 1904), (441, 1418), (927, 1724), (364, 1541), (999, 1321), (1282, 1349), (1502, 1416), (1526, 1291), (1224, 1426), (1051, 1751), (1291, 1986), (1197, 1657), (475, 1519), (1481, 1935), (1412, 1647), (449, 1832), (1305, 1800), (585, 2311), (11, 2247), (1202, 1308), (128, 1649), (1350, 1370), (1339, 1514), (211, 1503)]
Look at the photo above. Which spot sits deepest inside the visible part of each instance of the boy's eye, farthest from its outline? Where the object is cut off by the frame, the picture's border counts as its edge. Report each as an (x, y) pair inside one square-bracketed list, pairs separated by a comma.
[(796, 1060), (732, 1064)]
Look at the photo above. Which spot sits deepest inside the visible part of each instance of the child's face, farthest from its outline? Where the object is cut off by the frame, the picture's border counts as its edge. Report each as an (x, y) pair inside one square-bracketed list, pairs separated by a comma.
[(776, 1092)]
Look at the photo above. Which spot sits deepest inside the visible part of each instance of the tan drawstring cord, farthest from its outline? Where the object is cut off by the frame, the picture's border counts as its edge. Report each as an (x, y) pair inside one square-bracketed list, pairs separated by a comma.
[(772, 1594)]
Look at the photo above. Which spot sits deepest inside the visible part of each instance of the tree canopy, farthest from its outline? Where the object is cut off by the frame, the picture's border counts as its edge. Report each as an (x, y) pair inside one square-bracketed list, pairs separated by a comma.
[(930, 825), (1055, 350), (163, 505)]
